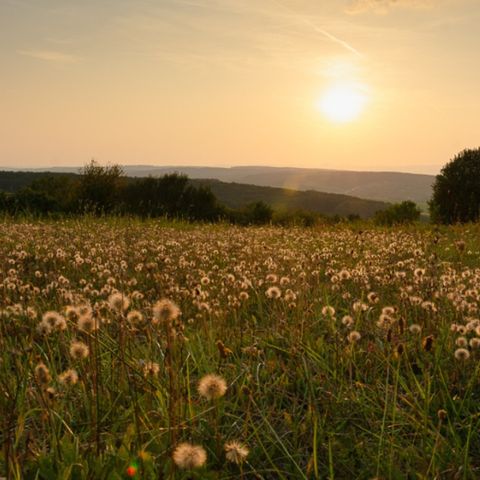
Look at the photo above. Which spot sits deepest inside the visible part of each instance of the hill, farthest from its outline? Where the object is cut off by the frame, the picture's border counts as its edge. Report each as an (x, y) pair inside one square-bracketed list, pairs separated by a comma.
[(383, 186), (235, 195)]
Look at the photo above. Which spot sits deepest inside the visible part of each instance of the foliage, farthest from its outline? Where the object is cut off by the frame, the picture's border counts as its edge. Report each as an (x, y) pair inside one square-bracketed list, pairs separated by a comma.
[(99, 188), (171, 196), (456, 192), (398, 214)]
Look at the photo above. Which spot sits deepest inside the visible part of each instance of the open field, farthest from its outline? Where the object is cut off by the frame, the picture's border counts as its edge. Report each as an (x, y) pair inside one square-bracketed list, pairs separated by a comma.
[(345, 352)]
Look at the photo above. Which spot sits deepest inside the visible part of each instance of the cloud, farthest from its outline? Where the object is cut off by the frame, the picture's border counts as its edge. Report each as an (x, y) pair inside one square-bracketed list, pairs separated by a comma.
[(49, 56), (383, 6)]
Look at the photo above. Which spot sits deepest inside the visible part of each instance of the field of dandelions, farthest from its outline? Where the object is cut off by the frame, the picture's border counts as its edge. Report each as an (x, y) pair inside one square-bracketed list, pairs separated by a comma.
[(146, 350)]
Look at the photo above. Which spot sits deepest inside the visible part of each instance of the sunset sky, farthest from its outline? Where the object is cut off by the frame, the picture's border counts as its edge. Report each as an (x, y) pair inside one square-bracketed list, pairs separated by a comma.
[(365, 84)]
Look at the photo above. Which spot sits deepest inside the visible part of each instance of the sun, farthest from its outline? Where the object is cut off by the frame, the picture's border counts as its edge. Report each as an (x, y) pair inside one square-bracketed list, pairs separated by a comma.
[(343, 103)]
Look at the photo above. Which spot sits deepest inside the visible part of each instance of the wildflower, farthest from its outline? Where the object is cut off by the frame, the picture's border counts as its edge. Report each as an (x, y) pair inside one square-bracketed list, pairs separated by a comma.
[(165, 311), (388, 311), (273, 292), (290, 295), (372, 297), (187, 456), (135, 317), (344, 274), (51, 318), (72, 313), (442, 414), (87, 323), (151, 369), (236, 452), (223, 350), (419, 272), (415, 328), (212, 386), (347, 320), (385, 321), (328, 311), (68, 377), (475, 343), (462, 354), (42, 374), (54, 320), (78, 350), (51, 393), (44, 328), (359, 307), (461, 342), (354, 336), (271, 278), (118, 301), (243, 296)]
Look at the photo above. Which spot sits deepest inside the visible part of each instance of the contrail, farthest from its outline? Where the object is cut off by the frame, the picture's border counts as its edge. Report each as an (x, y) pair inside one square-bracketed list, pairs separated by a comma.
[(319, 30)]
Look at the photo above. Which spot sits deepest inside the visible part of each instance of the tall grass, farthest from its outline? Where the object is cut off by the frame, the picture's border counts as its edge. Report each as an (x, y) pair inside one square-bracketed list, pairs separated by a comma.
[(306, 397)]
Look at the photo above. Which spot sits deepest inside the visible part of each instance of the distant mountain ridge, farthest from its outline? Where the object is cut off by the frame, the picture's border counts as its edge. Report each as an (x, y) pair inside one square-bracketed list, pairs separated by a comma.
[(382, 186)]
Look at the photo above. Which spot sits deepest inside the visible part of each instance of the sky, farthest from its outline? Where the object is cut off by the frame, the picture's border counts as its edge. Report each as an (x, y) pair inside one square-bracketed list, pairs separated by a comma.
[(345, 84)]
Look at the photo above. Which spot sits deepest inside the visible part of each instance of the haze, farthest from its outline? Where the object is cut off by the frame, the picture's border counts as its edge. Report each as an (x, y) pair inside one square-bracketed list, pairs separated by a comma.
[(238, 82)]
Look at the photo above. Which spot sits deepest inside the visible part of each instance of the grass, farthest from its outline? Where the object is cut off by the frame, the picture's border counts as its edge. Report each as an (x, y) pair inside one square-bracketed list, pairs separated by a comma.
[(307, 402)]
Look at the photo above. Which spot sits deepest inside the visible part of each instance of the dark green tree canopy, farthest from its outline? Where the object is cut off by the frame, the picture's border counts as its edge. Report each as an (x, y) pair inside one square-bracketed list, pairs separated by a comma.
[(99, 187), (398, 214), (456, 192)]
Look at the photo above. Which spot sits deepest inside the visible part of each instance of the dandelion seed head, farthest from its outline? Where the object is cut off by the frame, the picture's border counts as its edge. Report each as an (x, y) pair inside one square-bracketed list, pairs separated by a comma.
[(165, 311), (42, 374), (462, 354), (212, 387), (78, 350), (187, 456), (354, 336), (68, 377), (273, 292), (118, 302), (415, 328), (236, 452)]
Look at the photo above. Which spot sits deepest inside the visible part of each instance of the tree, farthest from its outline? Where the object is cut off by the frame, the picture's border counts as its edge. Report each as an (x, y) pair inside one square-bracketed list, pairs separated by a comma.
[(100, 188), (456, 191), (59, 192), (398, 214), (257, 213)]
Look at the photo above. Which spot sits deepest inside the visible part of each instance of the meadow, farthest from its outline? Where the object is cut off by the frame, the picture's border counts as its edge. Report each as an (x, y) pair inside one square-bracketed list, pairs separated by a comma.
[(154, 349)]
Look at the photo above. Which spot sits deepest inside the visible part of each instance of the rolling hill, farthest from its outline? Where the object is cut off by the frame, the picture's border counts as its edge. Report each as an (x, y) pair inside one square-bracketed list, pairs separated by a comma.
[(383, 186), (237, 195)]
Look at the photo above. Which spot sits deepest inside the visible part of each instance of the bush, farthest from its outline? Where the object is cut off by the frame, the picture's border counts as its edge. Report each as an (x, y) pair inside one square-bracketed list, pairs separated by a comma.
[(398, 214)]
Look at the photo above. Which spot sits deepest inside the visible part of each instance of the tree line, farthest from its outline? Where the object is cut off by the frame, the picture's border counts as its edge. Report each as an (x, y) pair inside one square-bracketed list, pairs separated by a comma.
[(105, 190)]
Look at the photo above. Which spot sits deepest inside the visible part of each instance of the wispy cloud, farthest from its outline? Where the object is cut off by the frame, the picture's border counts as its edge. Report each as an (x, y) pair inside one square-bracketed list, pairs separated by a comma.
[(234, 33), (383, 6), (49, 56), (320, 30)]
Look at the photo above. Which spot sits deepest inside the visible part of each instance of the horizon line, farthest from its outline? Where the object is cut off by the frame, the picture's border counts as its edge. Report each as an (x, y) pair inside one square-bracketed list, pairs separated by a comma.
[(224, 167)]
